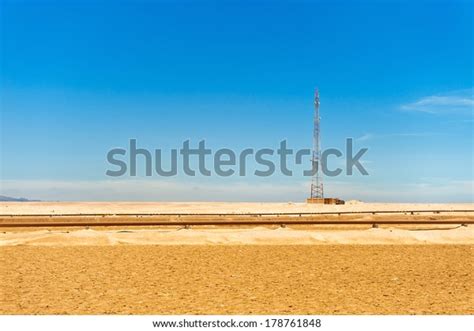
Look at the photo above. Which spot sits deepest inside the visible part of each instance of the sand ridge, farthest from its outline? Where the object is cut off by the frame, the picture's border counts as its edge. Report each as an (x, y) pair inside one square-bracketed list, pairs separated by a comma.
[(250, 236)]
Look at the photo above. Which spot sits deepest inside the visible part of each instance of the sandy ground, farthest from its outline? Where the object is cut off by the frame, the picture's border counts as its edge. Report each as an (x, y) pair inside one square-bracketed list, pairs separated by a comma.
[(47, 208), (249, 279), (459, 235), (324, 269)]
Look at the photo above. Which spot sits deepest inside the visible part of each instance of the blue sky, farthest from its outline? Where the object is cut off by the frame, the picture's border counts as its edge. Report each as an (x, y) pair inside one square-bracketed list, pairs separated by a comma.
[(80, 77)]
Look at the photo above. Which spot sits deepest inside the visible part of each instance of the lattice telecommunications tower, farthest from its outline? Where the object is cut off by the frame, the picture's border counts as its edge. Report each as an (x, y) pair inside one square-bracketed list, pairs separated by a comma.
[(317, 180)]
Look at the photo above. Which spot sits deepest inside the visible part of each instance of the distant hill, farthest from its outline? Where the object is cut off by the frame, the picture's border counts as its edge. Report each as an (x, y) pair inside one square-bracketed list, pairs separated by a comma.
[(5, 198)]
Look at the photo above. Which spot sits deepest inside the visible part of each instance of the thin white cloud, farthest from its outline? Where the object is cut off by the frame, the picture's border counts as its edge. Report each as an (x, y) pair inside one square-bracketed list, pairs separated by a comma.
[(456, 102), (365, 137), (372, 136)]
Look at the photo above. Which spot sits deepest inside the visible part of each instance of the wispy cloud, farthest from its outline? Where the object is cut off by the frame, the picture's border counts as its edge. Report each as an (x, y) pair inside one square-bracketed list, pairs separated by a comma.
[(371, 136), (365, 137), (456, 102)]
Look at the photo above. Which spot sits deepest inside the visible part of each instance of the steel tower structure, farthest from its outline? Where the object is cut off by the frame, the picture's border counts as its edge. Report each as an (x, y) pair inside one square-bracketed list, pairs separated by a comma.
[(316, 180)]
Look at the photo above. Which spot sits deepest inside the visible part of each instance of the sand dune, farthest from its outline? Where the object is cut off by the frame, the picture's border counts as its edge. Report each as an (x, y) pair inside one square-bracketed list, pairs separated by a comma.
[(250, 236)]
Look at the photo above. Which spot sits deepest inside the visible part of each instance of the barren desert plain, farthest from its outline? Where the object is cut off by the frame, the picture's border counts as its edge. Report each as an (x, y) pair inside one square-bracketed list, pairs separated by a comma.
[(374, 262)]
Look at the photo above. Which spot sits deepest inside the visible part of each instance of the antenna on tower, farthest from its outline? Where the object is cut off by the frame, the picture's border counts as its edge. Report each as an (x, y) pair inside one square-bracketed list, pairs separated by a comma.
[(317, 191)]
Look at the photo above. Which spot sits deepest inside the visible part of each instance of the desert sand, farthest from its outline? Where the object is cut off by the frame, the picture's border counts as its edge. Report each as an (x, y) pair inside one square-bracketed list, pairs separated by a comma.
[(458, 235), (248, 279), (54, 208), (324, 269)]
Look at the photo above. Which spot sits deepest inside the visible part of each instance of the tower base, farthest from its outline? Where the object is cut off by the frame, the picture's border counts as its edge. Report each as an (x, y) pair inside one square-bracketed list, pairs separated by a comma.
[(325, 201)]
